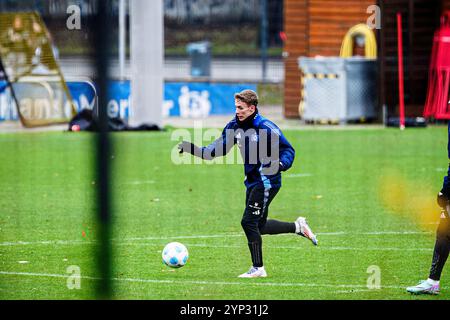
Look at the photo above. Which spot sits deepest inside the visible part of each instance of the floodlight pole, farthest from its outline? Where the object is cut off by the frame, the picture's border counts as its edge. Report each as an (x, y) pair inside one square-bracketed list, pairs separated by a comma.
[(264, 24), (122, 11)]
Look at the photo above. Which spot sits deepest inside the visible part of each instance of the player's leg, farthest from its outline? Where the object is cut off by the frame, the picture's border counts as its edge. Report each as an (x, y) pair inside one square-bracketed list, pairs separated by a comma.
[(441, 248), (300, 227), (250, 223), (303, 229), (272, 226), (440, 255)]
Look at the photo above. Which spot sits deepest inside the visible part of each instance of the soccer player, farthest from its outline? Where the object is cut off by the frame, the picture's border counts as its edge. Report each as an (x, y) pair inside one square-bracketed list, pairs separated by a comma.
[(266, 153), (442, 244)]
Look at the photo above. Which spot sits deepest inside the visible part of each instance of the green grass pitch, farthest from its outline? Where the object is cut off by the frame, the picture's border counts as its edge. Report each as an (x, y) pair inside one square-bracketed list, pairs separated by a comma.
[(369, 194)]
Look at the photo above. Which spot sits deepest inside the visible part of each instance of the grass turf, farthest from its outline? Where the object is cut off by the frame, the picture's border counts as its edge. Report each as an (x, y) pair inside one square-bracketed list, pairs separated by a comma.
[(369, 194)]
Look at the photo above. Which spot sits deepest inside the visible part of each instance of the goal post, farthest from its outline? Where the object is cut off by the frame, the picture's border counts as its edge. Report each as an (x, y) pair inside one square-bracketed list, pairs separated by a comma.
[(31, 71)]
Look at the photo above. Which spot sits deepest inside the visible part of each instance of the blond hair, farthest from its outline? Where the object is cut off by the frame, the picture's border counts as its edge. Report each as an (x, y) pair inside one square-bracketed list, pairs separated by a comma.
[(248, 96)]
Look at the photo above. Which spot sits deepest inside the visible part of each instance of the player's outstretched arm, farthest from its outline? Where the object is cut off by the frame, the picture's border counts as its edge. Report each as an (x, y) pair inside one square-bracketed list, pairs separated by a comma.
[(217, 148), (191, 148)]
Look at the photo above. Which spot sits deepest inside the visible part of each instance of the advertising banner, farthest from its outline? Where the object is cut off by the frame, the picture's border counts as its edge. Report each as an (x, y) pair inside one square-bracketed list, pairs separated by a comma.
[(181, 99)]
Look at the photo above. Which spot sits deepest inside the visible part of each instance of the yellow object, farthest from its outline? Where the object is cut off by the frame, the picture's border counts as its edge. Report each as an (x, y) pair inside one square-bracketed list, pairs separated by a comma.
[(370, 41)]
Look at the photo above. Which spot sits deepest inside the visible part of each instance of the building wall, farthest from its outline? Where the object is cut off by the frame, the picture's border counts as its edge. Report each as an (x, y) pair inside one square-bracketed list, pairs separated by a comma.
[(296, 45), (329, 21), (420, 19), (445, 5), (315, 27)]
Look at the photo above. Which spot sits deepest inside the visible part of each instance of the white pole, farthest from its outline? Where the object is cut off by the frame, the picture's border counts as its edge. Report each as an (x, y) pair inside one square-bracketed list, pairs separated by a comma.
[(121, 39), (147, 62)]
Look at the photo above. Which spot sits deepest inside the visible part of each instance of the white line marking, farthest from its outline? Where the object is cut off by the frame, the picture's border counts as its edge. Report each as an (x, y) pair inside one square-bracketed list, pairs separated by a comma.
[(394, 232), (48, 242), (149, 244), (355, 290), (289, 247), (297, 175), (202, 282), (374, 249), (187, 237), (82, 242), (139, 182), (337, 233)]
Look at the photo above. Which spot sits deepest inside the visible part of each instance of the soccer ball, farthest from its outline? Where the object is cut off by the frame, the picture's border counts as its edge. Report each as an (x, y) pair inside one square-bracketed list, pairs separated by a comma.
[(175, 255)]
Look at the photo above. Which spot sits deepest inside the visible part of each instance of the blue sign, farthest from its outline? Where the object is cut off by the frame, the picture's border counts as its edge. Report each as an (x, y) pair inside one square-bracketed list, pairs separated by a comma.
[(119, 99), (83, 94), (181, 99), (8, 109), (201, 99)]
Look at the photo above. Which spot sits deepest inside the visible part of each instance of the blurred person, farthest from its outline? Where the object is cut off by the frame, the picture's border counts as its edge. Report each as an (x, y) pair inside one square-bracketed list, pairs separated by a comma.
[(442, 244)]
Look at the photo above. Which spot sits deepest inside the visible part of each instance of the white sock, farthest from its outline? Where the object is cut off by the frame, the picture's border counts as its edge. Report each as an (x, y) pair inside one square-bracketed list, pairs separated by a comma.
[(433, 282), (297, 227)]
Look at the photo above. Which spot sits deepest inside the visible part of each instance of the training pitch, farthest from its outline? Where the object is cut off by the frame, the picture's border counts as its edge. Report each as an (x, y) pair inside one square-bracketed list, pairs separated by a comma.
[(368, 194)]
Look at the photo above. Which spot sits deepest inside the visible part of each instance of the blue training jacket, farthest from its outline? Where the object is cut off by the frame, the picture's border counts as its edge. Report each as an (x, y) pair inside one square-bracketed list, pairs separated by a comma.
[(263, 147)]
